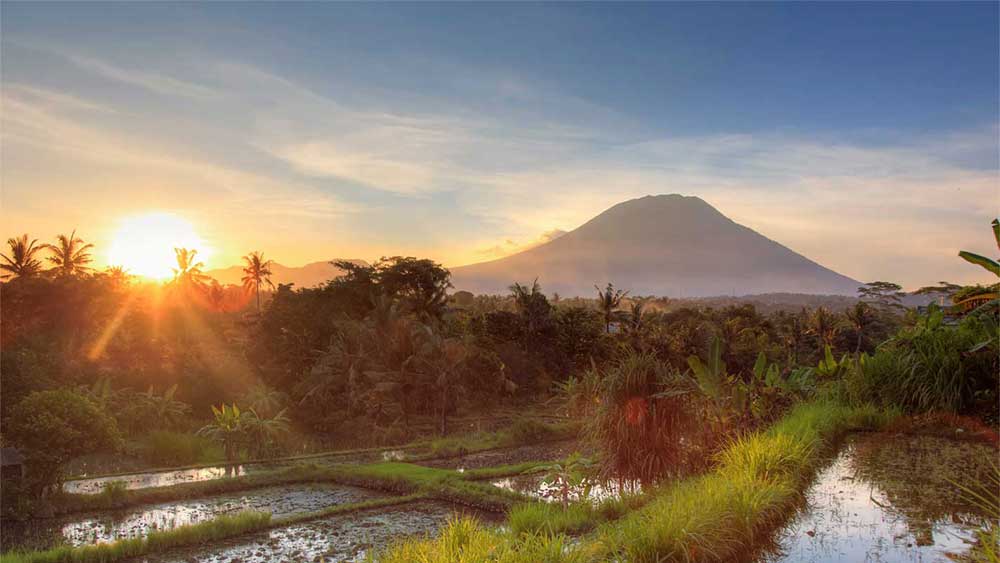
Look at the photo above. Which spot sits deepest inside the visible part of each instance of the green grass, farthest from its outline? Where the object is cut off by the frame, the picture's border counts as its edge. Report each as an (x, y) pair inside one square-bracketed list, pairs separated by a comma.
[(578, 517), (212, 530), (161, 447), (466, 540), (522, 431), (723, 514), (719, 516)]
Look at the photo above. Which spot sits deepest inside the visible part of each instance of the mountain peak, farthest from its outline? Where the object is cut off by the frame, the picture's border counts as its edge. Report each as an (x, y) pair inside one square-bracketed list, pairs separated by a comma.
[(671, 244)]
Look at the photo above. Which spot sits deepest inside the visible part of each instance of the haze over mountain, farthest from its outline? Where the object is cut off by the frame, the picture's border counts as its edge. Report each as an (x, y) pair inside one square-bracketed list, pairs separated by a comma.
[(669, 245), (314, 273)]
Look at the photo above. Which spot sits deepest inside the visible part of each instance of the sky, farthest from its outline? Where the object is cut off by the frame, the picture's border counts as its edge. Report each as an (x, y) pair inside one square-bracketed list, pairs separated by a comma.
[(864, 136)]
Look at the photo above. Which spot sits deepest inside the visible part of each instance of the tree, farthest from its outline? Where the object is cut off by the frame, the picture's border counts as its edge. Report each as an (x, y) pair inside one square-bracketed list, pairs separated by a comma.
[(256, 271), (823, 325), (188, 272), (608, 300), (988, 264), (21, 262), (885, 295), (532, 305), (861, 318), (70, 255), (53, 427)]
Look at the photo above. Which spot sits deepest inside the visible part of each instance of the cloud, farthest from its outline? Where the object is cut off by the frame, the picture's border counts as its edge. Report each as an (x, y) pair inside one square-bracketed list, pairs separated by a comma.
[(889, 206), (154, 82), (508, 246)]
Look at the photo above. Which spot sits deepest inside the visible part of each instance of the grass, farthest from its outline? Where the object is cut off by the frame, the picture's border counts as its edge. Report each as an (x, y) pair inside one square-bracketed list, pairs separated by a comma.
[(719, 516), (466, 540), (578, 517), (522, 431), (161, 447), (212, 530), (722, 515)]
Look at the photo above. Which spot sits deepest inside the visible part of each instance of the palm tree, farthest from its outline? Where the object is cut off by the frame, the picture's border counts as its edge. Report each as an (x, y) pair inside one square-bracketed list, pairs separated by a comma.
[(257, 271), (22, 262), (823, 325), (988, 264), (861, 317), (531, 303), (638, 309), (70, 255), (188, 272), (608, 300)]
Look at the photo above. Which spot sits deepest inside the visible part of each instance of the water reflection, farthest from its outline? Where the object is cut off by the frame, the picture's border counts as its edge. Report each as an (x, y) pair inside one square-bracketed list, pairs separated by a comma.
[(339, 538), (113, 525), (537, 486), (888, 498)]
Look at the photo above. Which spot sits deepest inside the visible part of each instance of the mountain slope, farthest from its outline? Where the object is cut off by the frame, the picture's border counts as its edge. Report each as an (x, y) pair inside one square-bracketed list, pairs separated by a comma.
[(669, 245), (315, 273)]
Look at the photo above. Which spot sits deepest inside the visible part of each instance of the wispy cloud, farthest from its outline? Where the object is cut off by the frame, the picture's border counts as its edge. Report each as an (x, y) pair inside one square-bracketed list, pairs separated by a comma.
[(508, 246), (151, 81)]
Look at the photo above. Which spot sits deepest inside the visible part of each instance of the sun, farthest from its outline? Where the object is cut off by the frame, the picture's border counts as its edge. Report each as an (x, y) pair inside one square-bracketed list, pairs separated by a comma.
[(144, 244)]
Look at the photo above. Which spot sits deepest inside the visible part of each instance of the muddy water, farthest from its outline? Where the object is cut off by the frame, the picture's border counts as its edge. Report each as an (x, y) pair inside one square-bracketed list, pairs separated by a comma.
[(100, 527), (537, 486), (335, 539), (535, 452), (888, 498)]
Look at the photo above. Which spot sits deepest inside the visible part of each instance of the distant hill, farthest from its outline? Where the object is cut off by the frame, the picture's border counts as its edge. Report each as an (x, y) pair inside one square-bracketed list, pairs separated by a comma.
[(669, 245), (315, 273)]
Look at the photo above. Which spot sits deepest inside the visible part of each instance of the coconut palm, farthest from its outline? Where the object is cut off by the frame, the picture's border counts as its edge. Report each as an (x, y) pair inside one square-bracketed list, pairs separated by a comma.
[(531, 304), (823, 325), (188, 272), (861, 317), (256, 271), (21, 262), (988, 264), (609, 300), (70, 254)]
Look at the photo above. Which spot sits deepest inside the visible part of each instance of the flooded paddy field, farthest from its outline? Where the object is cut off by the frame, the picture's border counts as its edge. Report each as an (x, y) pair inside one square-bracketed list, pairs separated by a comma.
[(888, 498), (106, 526), (535, 452), (341, 538)]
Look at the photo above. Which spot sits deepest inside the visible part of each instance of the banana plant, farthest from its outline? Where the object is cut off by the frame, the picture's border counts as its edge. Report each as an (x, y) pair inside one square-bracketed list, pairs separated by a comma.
[(713, 380), (228, 429), (830, 368), (987, 263)]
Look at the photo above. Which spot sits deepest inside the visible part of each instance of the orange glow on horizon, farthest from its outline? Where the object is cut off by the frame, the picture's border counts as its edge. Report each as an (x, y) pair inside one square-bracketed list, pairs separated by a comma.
[(144, 244)]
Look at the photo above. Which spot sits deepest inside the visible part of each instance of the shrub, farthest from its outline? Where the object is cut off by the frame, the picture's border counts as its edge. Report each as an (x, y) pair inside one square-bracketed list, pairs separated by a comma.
[(528, 431), (52, 427), (176, 448)]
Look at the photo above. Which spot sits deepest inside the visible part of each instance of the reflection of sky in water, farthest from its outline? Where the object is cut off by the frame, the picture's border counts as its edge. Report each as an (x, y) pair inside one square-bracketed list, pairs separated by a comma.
[(536, 486), (110, 526), (159, 479), (338, 538), (849, 519)]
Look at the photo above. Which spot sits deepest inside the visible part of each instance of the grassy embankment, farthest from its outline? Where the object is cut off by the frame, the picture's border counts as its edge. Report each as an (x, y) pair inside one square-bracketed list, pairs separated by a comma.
[(718, 516)]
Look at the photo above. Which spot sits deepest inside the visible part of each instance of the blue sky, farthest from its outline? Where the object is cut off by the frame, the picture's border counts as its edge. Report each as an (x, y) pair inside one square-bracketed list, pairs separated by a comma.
[(862, 135)]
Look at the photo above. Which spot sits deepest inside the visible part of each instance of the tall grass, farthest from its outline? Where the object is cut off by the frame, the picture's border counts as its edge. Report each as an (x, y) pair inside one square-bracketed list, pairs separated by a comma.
[(221, 527), (465, 540), (177, 448)]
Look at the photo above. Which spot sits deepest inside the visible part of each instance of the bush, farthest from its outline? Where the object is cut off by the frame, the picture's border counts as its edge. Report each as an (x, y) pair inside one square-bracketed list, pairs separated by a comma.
[(53, 427), (176, 448), (528, 431), (929, 367)]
